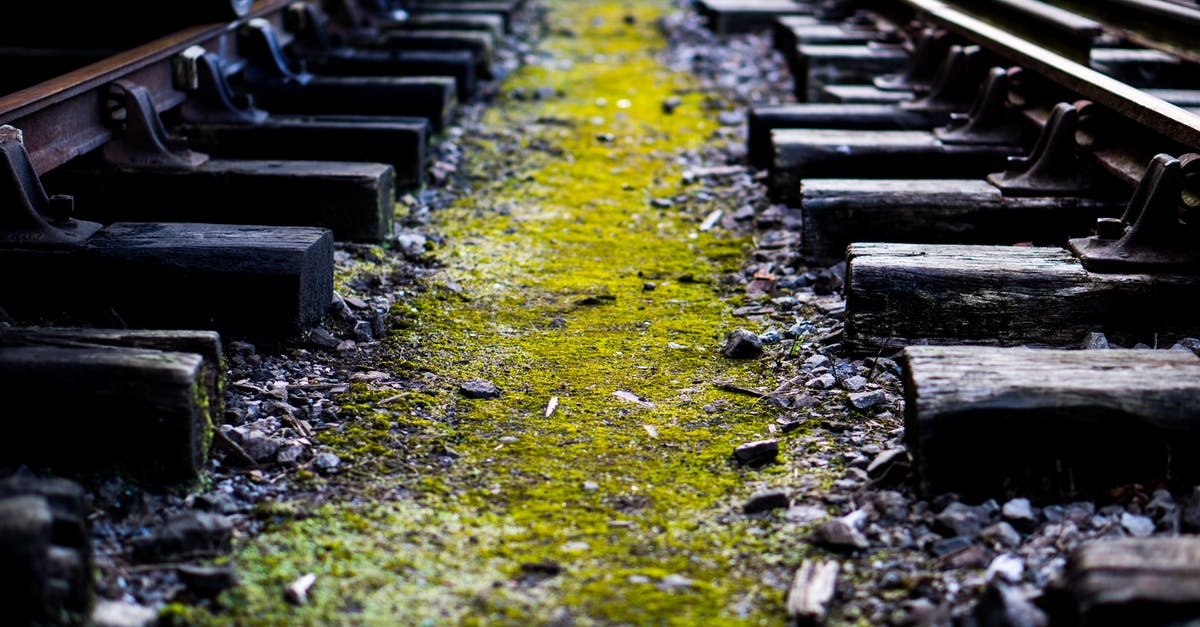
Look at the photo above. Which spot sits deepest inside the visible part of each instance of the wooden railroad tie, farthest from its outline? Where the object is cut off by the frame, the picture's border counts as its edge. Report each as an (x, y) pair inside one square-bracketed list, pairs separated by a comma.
[(112, 392), (986, 421)]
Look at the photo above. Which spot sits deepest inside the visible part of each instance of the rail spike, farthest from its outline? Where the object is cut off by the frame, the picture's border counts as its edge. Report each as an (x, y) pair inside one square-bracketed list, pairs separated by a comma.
[(28, 217), (1054, 167), (141, 140), (1149, 237)]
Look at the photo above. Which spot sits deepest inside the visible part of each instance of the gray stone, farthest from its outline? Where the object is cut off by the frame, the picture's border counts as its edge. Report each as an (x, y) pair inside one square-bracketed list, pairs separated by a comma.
[(327, 461), (731, 118), (742, 344), (816, 361), (884, 462), (960, 520), (1020, 513), (675, 582), (841, 534), (804, 514), (1002, 534), (764, 501), (207, 581), (186, 536), (868, 400), (1136, 525), (823, 382), (478, 388), (1095, 341), (363, 332), (757, 453), (854, 383), (323, 339), (122, 614)]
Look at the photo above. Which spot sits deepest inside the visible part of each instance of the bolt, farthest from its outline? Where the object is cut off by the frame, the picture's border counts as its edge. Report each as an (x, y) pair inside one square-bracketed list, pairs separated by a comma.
[(1110, 228), (61, 208)]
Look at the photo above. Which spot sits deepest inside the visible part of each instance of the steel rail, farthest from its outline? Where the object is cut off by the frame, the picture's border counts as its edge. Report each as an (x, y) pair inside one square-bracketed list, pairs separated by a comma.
[(1143, 109), (64, 117)]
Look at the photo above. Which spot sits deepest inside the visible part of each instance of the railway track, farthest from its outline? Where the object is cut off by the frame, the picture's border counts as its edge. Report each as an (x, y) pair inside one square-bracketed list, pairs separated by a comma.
[(190, 169), (1016, 184), (988, 193)]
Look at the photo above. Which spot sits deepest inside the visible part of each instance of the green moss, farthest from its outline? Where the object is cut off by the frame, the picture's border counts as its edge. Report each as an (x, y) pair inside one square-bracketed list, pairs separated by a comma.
[(554, 247)]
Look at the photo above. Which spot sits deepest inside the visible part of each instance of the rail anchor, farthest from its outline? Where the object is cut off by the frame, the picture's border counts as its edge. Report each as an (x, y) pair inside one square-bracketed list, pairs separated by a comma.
[(1150, 236), (29, 217), (1055, 167), (141, 139)]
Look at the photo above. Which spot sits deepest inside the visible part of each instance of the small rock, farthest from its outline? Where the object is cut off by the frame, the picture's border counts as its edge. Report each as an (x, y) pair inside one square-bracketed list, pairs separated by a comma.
[(854, 383), (327, 461), (960, 520), (186, 536), (842, 533), (649, 287), (884, 461), (1020, 513), (207, 581), (757, 453), (731, 118), (868, 400), (947, 546), (823, 382), (590, 486), (772, 336), (675, 582), (662, 203), (606, 138), (257, 444), (1137, 526), (1007, 567), (122, 614), (1001, 533), (671, 104), (805, 513), (1008, 606), (478, 388), (363, 332), (764, 501), (742, 344), (973, 556), (1095, 341), (321, 338)]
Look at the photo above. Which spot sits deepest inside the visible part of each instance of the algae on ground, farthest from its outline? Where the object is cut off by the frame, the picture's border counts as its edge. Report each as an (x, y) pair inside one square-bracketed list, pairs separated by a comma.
[(615, 508)]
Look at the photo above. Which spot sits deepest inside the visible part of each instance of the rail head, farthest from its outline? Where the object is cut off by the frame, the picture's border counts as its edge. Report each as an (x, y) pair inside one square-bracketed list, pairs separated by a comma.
[(1147, 111), (62, 118)]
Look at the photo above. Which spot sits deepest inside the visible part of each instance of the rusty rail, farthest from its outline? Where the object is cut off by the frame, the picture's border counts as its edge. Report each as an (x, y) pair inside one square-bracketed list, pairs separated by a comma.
[(63, 118), (1143, 109)]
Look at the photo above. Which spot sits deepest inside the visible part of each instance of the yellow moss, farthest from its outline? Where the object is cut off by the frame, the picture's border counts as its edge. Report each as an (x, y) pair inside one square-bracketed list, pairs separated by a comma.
[(554, 247)]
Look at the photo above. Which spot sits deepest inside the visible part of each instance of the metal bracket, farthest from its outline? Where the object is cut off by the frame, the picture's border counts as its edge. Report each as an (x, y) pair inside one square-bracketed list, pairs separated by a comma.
[(956, 84), (258, 42), (28, 217), (212, 99), (141, 140), (989, 121), (1055, 167), (310, 26), (1149, 237), (931, 47)]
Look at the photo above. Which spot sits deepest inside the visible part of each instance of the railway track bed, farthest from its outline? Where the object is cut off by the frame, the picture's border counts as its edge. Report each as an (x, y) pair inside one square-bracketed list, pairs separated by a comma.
[(817, 313)]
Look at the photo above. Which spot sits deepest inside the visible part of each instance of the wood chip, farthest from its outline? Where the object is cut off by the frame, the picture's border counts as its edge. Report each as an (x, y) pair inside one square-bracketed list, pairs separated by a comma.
[(551, 406), (711, 220), (297, 593), (811, 591), (632, 398)]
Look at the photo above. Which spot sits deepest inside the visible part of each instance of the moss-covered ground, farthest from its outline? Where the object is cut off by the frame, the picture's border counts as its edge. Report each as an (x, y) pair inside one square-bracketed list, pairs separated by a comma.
[(612, 509)]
